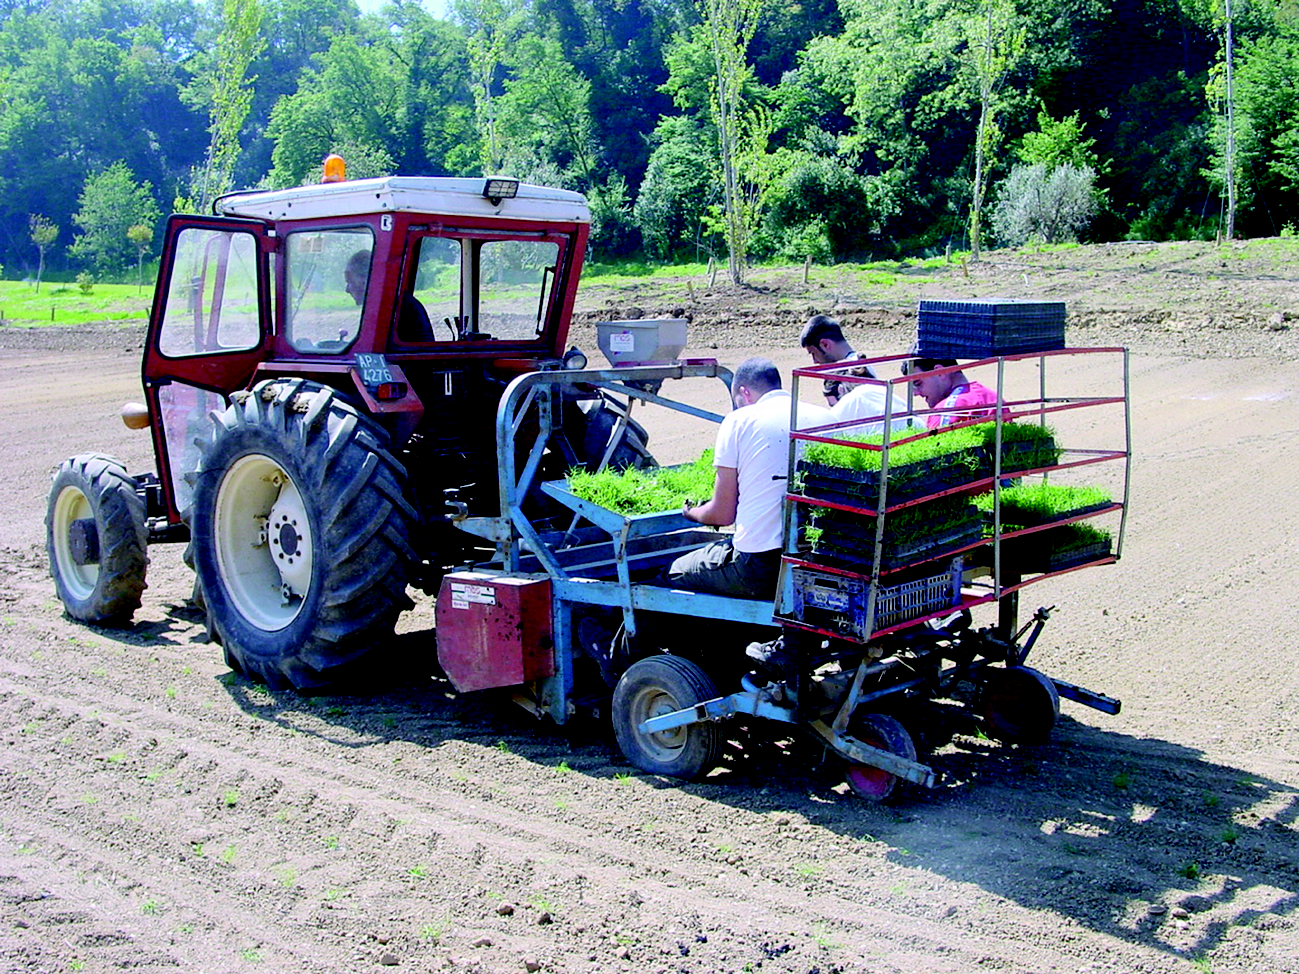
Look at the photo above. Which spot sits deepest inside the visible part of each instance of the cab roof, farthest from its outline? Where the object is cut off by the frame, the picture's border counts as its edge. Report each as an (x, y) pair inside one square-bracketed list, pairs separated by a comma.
[(435, 195)]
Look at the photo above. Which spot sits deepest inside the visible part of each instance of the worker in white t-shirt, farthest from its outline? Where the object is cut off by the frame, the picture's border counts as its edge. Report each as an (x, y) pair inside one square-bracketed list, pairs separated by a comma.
[(866, 401), (752, 461)]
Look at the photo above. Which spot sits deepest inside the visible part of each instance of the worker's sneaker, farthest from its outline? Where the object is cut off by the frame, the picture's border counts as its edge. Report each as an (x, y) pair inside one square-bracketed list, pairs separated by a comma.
[(772, 658)]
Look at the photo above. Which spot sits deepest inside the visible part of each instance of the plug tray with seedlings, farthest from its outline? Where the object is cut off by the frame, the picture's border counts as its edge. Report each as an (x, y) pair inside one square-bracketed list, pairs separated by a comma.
[(914, 534), (850, 474), (1056, 549), (1027, 505), (632, 492)]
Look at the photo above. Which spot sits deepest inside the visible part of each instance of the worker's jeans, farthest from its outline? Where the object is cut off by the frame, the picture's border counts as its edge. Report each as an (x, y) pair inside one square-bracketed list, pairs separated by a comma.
[(720, 569)]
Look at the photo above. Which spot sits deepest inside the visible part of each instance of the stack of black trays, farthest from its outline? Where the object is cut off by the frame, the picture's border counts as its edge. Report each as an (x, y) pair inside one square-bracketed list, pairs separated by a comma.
[(984, 327)]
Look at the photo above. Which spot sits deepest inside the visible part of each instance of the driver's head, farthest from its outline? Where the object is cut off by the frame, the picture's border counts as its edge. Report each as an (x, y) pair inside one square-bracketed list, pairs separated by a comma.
[(356, 275)]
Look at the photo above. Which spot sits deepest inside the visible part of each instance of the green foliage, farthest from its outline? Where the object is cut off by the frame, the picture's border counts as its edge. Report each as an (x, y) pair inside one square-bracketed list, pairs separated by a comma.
[(646, 491), (1040, 205), (1057, 142), (820, 207), (111, 203), (86, 282), (677, 191), (237, 46)]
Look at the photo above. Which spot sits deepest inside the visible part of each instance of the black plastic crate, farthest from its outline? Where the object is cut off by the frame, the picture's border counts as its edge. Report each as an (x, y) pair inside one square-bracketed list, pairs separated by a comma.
[(979, 328)]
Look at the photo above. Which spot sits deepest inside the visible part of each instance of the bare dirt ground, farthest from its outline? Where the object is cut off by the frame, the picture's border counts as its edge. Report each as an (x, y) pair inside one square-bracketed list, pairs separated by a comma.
[(157, 813)]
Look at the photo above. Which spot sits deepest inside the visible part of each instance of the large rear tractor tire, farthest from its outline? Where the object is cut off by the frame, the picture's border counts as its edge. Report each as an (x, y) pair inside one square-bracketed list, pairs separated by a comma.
[(660, 685), (96, 537), (300, 536)]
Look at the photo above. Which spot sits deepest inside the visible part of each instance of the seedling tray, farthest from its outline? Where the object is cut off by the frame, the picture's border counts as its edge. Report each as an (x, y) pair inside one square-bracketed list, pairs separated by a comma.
[(1033, 553), (855, 551), (983, 328), (1028, 454), (842, 485)]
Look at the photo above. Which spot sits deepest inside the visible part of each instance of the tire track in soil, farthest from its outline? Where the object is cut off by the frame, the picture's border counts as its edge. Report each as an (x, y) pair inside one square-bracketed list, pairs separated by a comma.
[(466, 826)]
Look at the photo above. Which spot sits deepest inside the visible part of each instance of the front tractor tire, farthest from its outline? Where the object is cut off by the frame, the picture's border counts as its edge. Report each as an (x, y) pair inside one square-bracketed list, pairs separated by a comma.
[(300, 536), (96, 537)]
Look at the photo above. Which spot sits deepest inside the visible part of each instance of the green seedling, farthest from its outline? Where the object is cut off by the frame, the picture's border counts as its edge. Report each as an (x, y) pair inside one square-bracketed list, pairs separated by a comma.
[(196, 848), (149, 907), (432, 932), (561, 804), (331, 841), (633, 492), (563, 767), (334, 711), (622, 777), (821, 935), (808, 870), (171, 693), (231, 797), (1039, 503), (89, 799), (99, 671), (1230, 834), (1211, 800), (228, 855), (251, 954), (76, 965), (1122, 780), (117, 757), (333, 894), (419, 871), (1190, 870), (288, 876), (503, 747)]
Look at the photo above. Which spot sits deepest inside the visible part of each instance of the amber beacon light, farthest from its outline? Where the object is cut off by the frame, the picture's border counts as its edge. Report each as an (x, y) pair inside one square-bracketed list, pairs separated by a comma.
[(335, 169)]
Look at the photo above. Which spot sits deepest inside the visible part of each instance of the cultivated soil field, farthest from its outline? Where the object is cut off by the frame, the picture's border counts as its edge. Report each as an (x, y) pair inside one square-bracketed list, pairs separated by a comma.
[(159, 813)]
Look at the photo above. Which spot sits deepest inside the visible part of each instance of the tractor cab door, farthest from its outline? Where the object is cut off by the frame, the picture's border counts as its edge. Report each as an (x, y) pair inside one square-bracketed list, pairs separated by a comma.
[(210, 326)]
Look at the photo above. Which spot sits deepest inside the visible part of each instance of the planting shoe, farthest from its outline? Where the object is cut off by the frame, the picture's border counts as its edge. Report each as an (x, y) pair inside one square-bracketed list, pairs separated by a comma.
[(774, 661)]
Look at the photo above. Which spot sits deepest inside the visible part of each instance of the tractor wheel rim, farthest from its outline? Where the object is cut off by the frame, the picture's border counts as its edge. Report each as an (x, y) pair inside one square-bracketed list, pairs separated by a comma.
[(72, 505), (663, 745), (259, 515)]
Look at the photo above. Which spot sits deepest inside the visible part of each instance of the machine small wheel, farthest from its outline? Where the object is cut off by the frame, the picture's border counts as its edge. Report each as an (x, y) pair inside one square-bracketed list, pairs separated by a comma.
[(1019, 705), (888, 734), (660, 685)]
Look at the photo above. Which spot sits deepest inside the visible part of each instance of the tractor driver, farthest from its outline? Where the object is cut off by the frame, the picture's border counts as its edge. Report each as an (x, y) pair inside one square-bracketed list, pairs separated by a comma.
[(413, 325), (752, 461)]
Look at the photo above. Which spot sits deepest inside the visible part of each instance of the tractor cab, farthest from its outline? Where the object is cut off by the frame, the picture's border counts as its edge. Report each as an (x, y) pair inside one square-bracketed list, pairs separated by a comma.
[(418, 298)]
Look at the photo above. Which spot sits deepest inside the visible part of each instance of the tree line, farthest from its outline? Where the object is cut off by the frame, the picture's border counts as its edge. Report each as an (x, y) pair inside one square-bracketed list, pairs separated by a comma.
[(735, 129)]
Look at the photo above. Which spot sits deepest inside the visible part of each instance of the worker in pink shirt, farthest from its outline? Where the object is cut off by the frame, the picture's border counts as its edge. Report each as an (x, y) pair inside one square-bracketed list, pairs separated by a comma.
[(960, 398)]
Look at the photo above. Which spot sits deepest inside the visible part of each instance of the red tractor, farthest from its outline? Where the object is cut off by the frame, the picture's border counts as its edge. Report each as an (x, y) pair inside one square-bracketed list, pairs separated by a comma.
[(322, 373)]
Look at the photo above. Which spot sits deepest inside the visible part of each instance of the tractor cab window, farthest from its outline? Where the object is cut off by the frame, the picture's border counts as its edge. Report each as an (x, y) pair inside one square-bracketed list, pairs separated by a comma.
[(515, 278), (328, 275), (212, 294), (471, 290), (435, 293)]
